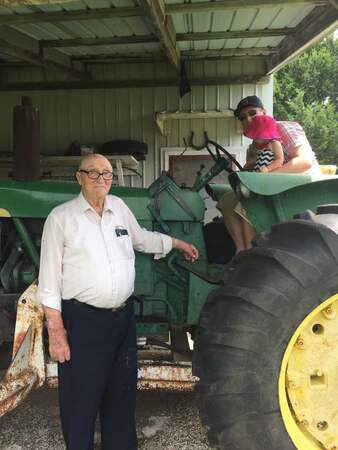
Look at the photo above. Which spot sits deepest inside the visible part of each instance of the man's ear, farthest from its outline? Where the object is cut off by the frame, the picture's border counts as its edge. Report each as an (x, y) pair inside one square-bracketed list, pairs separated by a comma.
[(78, 177)]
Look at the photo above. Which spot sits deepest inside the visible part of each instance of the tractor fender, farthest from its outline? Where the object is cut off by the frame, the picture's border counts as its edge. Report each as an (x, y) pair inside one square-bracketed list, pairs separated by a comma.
[(275, 183)]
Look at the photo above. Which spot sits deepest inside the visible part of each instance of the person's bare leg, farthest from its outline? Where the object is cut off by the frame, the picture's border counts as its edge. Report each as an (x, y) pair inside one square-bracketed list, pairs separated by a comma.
[(234, 224), (248, 234)]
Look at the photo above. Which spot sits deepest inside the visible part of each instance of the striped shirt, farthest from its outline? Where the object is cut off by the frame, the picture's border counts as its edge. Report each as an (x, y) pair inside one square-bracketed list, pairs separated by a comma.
[(293, 135)]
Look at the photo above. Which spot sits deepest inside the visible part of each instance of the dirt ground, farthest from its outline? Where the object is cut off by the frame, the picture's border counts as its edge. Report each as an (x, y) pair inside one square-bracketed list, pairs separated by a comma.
[(165, 421)]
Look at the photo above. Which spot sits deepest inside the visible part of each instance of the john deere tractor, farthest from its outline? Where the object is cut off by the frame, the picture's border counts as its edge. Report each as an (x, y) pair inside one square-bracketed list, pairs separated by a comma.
[(264, 323)]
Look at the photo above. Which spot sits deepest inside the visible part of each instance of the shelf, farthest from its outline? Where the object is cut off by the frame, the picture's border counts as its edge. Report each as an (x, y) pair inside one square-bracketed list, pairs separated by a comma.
[(162, 118), (65, 166), (127, 161)]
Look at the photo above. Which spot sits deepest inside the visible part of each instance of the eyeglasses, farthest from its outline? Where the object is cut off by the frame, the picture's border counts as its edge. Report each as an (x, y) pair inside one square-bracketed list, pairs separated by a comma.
[(250, 113), (95, 175)]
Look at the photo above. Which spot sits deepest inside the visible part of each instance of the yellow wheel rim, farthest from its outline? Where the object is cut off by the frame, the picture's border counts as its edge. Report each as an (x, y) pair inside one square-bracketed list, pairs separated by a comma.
[(308, 382)]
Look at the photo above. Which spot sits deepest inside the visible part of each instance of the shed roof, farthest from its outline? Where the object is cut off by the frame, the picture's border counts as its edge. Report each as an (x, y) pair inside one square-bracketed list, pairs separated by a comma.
[(69, 35)]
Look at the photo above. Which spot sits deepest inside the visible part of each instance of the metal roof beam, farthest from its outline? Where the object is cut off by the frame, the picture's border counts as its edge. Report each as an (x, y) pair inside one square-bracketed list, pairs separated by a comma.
[(241, 34), (180, 37), (63, 16), (143, 58), (164, 29), (24, 48), (222, 5), (313, 28), (186, 55), (228, 52), (25, 55), (88, 42), (137, 11), (106, 84)]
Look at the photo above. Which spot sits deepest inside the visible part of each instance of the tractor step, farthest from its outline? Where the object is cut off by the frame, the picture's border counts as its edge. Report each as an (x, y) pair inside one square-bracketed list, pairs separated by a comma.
[(152, 375)]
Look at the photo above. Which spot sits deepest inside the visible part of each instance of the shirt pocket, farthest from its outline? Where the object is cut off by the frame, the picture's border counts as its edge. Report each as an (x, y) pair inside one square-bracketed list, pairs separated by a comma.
[(125, 246)]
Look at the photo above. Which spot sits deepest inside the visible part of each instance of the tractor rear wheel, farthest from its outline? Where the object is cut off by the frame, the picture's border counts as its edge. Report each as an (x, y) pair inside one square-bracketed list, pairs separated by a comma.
[(267, 350)]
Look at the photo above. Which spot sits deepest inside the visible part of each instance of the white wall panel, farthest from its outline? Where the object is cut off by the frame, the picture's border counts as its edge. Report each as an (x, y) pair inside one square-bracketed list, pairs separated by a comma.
[(94, 116)]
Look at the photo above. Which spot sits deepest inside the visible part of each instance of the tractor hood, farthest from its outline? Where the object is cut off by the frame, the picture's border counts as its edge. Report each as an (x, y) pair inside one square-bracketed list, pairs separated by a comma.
[(37, 199)]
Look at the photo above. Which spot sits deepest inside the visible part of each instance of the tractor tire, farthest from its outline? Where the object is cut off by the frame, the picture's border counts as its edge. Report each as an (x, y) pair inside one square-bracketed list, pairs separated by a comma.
[(246, 326)]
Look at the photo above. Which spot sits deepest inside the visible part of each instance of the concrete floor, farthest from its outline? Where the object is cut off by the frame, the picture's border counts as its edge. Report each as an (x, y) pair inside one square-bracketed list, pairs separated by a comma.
[(165, 421)]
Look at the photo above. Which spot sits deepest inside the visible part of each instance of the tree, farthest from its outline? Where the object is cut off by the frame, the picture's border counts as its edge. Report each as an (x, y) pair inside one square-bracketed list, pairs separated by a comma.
[(306, 91)]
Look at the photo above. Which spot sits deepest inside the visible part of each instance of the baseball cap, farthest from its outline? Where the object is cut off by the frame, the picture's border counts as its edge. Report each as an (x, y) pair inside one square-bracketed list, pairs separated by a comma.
[(251, 100)]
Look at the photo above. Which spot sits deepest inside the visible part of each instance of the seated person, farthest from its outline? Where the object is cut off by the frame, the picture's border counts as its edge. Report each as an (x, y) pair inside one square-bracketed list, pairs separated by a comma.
[(267, 152), (298, 158)]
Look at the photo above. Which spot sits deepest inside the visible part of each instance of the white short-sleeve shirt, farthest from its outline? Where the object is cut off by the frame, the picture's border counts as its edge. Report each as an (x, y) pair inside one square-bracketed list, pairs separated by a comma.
[(91, 258)]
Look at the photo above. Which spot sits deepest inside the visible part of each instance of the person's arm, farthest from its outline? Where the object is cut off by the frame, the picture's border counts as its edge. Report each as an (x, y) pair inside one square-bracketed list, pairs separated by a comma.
[(189, 251), (251, 156), (154, 242), (49, 289), (277, 149), (299, 162), (57, 335)]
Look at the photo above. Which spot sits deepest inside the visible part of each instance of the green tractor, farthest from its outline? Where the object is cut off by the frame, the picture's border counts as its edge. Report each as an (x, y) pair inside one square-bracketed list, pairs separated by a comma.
[(264, 324)]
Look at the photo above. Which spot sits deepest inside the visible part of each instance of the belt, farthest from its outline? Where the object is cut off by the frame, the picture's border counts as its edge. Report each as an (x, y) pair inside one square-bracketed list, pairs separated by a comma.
[(85, 305)]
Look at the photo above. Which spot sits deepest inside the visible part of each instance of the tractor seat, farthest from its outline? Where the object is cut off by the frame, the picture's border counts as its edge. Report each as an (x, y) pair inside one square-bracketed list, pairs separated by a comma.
[(328, 169)]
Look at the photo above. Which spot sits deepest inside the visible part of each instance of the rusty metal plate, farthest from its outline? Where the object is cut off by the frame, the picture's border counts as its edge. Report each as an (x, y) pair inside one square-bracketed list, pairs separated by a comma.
[(27, 369), (152, 375)]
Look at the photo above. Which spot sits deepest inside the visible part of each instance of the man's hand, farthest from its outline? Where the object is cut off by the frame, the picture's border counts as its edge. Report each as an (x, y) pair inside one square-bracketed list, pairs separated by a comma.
[(189, 251), (58, 343)]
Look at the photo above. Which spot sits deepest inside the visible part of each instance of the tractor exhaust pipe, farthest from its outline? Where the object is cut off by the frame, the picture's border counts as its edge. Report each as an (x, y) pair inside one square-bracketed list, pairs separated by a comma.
[(26, 141)]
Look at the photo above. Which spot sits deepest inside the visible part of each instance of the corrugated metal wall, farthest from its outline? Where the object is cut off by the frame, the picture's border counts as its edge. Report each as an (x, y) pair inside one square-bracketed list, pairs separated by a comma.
[(94, 116)]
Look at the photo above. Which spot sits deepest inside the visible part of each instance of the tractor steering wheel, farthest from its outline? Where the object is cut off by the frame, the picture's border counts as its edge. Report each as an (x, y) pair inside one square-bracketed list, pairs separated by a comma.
[(218, 148)]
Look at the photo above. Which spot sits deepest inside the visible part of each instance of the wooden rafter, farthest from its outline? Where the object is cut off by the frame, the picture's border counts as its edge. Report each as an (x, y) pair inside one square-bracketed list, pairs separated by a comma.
[(30, 2), (24, 48), (316, 25), (32, 58), (163, 28), (334, 3), (180, 37)]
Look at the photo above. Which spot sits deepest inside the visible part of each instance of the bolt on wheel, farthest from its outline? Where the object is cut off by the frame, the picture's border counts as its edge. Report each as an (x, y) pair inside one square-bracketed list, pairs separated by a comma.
[(308, 382)]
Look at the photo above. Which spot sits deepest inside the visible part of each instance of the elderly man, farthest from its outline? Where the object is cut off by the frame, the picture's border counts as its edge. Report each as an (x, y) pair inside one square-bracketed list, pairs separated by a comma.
[(86, 282), (298, 157)]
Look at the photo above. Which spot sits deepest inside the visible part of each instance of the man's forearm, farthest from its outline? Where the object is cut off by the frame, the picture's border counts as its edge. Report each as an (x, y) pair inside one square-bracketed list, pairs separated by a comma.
[(298, 164), (190, 252), (58, 342), (275, 165), (54, 318)]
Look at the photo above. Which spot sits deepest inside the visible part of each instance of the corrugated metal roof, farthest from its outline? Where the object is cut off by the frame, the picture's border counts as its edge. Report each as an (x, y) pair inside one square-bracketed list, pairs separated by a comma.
[(235, 20), (262, 19)]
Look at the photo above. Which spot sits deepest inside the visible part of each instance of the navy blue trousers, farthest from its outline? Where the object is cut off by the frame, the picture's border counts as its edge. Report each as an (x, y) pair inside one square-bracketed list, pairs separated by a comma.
[(100, 377)]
